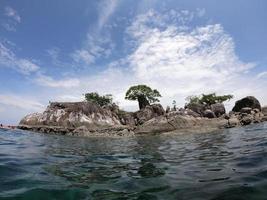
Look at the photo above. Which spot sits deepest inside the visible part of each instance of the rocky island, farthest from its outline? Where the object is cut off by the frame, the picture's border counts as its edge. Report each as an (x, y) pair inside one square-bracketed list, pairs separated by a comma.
[(91, 119)]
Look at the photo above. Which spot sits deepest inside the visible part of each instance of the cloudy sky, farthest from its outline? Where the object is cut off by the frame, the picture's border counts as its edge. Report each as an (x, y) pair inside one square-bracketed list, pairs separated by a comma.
[(59, 50)]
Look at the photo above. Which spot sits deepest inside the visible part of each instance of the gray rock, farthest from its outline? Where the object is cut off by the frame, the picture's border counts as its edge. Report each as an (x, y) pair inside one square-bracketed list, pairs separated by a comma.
[(264, 110), (168, 109), (148, 113), (246, 120), (248, 101), (209, 114), (197, 108), (218, 109)]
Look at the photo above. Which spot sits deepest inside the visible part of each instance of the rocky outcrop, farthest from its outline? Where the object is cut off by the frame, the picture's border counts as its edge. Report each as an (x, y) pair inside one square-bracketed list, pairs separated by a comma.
[(181, 123), (247, 102), (73, 115), (148, 113), (88, 119), (210, 111)]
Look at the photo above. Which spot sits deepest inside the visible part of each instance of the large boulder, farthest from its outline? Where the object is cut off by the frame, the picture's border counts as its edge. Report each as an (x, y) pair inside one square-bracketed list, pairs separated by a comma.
[(196, 107), (148, 113), (209, 114), (73, 115), (218, 109), (248, 101)]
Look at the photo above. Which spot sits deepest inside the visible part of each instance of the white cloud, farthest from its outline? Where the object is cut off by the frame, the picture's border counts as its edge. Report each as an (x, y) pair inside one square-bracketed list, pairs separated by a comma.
[(9, 59), (21, 102), (12, 20), (106, 9), (93, 48), (10, 12), (50, 82), (262, 75), (84, 56), (179, 61)]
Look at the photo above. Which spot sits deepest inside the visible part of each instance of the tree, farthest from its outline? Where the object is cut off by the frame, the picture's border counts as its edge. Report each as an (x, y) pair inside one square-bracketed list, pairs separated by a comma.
[(94, 97), (208, 99), (143, 94)]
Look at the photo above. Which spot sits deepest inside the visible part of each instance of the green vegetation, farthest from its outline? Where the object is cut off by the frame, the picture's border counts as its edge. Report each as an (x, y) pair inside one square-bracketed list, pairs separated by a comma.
[(143, 94), (208, 99), (94, 97)]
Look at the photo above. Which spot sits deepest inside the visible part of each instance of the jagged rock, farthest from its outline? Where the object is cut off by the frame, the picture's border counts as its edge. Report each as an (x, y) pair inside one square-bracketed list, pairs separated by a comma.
[(209, 114), (218, 109), (148, 113), (246, 110), (73, 115), (127, 118), (248, 101)]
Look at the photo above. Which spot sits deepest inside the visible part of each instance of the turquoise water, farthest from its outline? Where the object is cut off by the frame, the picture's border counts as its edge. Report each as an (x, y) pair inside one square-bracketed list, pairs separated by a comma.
[(229, 164)]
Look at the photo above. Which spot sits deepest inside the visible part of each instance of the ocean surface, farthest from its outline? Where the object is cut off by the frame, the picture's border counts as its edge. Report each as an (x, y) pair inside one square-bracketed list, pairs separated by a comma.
[(229, 164)]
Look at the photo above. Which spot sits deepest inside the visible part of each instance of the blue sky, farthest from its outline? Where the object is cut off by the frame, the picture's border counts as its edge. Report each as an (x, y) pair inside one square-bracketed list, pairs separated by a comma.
[(59, 50)]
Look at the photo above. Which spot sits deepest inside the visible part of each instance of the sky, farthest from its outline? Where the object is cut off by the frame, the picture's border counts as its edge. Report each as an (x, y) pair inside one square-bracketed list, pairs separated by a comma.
[(59, 50)]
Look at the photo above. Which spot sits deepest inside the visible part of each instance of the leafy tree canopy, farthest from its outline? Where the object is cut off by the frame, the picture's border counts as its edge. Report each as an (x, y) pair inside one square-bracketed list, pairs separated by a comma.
[(208, 99), (94, 97), (143, 94)]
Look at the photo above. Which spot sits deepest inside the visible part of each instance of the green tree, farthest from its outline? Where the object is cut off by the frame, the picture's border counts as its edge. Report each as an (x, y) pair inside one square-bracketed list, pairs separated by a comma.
[(94, 97), (143, 94), (208, 99)]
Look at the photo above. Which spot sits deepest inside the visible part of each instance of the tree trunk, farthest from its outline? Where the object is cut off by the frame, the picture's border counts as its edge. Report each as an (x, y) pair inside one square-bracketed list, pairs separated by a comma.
[(143, 102)]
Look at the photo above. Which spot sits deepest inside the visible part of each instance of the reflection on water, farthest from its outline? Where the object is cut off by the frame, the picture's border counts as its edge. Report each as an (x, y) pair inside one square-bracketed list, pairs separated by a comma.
[(229, 164)]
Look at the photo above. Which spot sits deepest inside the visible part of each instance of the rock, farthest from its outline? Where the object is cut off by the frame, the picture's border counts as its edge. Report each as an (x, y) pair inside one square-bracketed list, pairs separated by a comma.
[(196, 107), (209, 114), (256, 110), (233, 122), (248, 101), (127, 118), (264, 118), (218, 109), (226, 116), (246, 120), (148, 113), (191, 113), (168, 109), (180, 123), (73, 115), (264, 110), (246, 110)]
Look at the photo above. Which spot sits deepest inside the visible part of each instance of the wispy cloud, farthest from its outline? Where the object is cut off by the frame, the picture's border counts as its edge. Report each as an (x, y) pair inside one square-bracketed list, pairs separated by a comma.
[(9, 59), (21, 102), (12, 20), (50, 82), (177, 59), (83, 56), (106, 9), (10, 12), (262, 75)]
